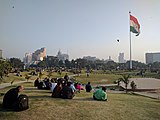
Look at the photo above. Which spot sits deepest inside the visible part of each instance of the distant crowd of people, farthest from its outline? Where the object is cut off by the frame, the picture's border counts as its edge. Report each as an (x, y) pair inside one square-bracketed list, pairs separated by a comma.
[(65, 88), (60, 87)]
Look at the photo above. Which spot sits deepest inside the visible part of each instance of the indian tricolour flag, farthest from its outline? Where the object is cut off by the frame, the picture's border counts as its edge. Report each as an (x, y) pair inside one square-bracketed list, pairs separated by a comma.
[(134, 25)]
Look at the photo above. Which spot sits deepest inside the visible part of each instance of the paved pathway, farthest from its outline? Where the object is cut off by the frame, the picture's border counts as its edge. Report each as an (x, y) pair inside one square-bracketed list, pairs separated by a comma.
[(144, 83), (4, 85)]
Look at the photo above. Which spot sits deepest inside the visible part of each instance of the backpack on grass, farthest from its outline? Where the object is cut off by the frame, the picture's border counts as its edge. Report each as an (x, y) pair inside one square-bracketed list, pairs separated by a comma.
[(22, 103)]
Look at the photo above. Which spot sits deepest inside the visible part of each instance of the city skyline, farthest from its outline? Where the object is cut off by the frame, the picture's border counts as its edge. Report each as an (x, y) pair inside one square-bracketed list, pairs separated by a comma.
[(79, 28)]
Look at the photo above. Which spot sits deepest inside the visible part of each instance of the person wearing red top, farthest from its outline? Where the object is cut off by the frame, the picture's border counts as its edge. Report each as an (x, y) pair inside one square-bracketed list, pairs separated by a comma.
[(79, 87)]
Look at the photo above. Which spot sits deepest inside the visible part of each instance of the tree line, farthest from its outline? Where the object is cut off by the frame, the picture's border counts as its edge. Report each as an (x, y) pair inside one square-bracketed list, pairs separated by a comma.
[(9, 65), (79, 63), (51, 62)]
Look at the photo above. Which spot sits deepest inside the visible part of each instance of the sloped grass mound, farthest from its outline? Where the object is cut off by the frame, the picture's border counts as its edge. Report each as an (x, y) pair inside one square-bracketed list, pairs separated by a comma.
[(83, 107)]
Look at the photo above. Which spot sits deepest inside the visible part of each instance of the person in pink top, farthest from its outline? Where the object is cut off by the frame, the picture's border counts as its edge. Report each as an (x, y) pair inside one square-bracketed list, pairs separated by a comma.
[(78, 87)]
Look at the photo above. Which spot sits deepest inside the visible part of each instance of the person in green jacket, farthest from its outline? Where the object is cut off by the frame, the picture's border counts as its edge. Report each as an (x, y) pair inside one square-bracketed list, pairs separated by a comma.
[(100, 94)]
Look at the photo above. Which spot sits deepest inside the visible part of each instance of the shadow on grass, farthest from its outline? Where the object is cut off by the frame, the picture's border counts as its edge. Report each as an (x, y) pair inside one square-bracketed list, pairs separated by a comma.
[(40, 97), (32, 89), (49, 97), (83, 99), (34, 92), (5, 110)]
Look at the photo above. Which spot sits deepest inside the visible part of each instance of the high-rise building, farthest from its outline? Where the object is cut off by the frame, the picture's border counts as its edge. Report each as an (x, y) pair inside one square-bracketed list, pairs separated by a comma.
[(39, 54), (35, 57), (28, 58), (62, 57), (121, 58), (152, 57), (0, 53)]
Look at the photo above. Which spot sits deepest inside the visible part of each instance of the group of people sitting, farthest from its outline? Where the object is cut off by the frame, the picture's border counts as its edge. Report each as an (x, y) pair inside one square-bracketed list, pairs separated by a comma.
[(44, 84), (65, 88), (61, 88)]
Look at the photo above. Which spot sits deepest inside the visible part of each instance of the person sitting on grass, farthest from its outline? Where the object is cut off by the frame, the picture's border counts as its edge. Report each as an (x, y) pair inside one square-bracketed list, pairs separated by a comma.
[(88, 87), (47, 84), (72, 87), (66, 77), (11, 97), (100, 94), (53, 84), (79, 87), (57, 91), (67, 92), (36, 82)]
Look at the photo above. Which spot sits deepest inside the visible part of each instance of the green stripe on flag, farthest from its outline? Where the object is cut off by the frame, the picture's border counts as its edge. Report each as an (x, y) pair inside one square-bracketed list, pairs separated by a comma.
[(133, 30)]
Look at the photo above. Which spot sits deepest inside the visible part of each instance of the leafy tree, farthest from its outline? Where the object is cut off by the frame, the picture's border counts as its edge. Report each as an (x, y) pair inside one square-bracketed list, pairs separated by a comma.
[(5, 68), (81, 63), (135, 65), (41, 64), (60, 63), (111, 65), (51, 61), (72, 63), (125, 80), (16, 63), (155, 67), (67, 63)]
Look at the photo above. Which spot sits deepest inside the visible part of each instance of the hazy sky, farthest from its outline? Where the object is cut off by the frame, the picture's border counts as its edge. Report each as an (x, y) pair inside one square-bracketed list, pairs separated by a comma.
[(79, 27)]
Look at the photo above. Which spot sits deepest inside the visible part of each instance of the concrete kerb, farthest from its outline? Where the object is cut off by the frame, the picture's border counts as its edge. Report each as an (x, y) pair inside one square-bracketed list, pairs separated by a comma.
[(146, 87), (154, 96)]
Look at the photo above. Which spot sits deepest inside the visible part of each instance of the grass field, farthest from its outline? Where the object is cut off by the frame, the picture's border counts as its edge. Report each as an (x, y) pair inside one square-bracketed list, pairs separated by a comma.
[(97, 78), (83, 107), (93, 78), (13, 77)]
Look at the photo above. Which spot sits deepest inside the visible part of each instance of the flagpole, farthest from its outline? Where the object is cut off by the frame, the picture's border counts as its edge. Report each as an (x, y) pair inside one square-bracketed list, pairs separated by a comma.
[(130, 43)]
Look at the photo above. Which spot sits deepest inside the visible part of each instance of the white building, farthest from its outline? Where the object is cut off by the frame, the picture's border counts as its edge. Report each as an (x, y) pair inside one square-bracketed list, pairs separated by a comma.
[(62, 57), (121, 58), (152, 57), (28, 58), (39, 54)]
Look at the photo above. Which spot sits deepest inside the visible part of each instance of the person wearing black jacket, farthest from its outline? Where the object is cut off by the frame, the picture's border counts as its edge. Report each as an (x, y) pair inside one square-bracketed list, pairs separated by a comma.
[(67, 92), (88, 87), (11, 97)]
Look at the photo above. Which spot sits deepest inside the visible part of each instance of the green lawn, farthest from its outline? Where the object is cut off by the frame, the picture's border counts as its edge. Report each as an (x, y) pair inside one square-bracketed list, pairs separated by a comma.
[(97, 78), (83, 107), (11, 77)]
